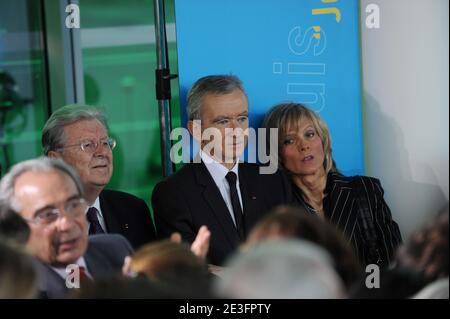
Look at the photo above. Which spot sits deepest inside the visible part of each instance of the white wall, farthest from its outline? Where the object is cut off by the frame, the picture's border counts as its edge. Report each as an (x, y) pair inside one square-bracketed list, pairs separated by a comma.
[(406, 101)]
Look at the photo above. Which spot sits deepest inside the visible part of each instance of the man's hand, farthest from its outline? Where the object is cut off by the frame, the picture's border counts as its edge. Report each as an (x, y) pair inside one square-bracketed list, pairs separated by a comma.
[(200, 245), (126, 268)]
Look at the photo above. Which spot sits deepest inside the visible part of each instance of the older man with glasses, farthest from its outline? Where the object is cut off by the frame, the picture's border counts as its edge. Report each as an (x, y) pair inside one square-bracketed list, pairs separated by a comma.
[(79, 135), (48, 194)]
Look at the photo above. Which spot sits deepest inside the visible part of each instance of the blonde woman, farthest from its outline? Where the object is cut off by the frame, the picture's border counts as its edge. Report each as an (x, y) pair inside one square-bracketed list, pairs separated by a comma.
[(354, 204)]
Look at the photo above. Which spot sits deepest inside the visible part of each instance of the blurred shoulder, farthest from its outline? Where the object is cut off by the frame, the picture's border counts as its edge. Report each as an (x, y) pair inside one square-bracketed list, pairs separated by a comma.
[(104, 241)]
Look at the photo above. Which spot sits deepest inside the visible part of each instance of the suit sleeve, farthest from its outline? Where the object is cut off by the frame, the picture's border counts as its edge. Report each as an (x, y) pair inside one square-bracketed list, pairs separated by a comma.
[(171, 213), (388, 232), (126, 246), (286, 187)]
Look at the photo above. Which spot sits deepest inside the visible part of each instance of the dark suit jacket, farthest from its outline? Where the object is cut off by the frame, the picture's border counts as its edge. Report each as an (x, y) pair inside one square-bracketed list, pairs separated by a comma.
[(104, 258), (127, 215), (341, 209), (189, 199)]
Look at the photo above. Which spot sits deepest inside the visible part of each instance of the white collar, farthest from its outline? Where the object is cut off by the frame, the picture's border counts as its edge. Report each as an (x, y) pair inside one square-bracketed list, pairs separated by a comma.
[(61, 271), (216, 168)]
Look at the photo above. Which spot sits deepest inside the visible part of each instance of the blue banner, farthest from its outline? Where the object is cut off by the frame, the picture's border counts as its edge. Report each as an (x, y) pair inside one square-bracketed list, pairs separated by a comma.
[(304, 51)]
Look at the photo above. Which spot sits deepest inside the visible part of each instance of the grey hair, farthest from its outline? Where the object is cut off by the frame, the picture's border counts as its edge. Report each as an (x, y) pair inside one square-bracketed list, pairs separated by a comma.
[(212, 84), (53, 132), (41, 165), (281, 269)]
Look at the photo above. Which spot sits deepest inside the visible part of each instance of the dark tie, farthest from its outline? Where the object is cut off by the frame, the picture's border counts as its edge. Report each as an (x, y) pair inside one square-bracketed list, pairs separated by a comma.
[(95, 227), (237, 210)]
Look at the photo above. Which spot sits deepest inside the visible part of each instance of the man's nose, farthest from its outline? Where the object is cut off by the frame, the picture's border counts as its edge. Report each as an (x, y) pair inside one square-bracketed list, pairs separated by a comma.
[(233, 124), (102, 149), (65, 222)]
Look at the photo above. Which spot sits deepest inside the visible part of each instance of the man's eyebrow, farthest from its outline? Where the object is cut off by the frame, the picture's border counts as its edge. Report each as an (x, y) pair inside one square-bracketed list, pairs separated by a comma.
[(220, 117), (243, 113)]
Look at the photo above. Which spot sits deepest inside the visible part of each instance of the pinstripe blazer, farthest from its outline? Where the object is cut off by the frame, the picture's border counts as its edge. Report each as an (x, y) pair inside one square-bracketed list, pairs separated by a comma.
[(341, 209)]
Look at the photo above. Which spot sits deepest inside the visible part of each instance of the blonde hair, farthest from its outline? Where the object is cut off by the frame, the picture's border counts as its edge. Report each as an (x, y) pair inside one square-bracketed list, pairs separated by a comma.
[(287, 116)]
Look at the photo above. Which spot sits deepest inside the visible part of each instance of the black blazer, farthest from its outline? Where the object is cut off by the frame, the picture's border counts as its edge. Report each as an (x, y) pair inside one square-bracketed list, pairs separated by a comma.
[(104, 258), (341, 209), (127, 215), (189, 199)]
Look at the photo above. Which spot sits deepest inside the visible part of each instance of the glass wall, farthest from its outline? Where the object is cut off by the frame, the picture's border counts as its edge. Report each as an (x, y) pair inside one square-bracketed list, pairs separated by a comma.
[(119, 61), (118, 64), (23, 81)]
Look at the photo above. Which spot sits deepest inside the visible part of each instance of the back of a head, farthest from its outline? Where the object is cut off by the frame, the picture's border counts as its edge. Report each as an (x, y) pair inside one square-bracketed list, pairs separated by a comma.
[(438, 289), (172, 264), (124, 288), (12, 226), (295, 223), (427, 250), (17, 276), (286, 269)]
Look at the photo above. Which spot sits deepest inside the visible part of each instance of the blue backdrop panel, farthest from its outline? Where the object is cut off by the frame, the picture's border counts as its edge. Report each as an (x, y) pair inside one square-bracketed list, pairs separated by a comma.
[(305, 51)]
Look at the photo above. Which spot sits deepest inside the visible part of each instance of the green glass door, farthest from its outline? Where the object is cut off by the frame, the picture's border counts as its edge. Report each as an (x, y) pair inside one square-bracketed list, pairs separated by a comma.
[(119, 61), (23, 81)]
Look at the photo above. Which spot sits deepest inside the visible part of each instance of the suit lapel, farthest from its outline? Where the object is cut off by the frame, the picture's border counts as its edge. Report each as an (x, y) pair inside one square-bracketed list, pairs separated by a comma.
[(343, 210), (112, 224), (213, 198), (51, 285)]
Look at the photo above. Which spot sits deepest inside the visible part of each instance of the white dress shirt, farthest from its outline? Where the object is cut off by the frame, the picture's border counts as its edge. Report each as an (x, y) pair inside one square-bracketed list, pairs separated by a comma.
[(218, 173), (61, 271)]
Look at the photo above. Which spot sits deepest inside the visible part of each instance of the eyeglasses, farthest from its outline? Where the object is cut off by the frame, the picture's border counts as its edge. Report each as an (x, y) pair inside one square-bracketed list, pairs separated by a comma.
[(90, 146), (73, 207)]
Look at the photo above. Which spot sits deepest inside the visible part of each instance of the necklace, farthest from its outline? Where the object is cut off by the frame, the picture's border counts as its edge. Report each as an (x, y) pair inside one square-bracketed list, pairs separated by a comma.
[(309, 208)]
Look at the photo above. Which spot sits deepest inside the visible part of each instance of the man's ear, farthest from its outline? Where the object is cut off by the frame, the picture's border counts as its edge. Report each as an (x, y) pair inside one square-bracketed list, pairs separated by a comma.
[(195, 128), (54, 154)]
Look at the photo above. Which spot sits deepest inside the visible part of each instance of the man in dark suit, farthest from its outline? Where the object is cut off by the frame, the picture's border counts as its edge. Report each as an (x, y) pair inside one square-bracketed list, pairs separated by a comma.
[(104, 258), (79, 135), (216, 190), (48, 194)]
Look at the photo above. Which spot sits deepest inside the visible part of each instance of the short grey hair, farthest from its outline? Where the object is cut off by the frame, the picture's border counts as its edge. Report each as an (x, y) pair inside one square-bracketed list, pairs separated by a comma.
[(53, 136), (281, 269), (211, 84), (41, 165)]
